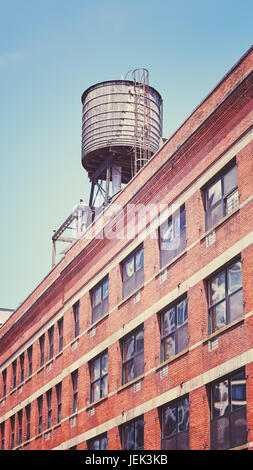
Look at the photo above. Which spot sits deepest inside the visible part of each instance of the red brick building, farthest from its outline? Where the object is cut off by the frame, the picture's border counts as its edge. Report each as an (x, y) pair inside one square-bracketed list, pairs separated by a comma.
[(146, 342)]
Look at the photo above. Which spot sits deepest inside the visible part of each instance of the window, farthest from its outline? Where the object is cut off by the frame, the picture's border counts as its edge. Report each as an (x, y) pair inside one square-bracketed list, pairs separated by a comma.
[(132, 435), (28, 421), (30, 365), (174, 419), (76, 318), (42, 350), (174, 329), (2, 435), (59, 396), (14, 374), (60, 334), (99, 300), (98, 443), (74, 377), (172, 237), (225, 296), (221, 197), (12, 431), (99, 377), (49, 409), (51, 342), (132, 348), (22, 375), (228, 411), (20, 420), (40, 414), (133, 272), (4, 376)]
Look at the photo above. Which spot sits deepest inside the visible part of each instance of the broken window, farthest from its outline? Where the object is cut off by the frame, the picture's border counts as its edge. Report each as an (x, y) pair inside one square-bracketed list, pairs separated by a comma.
[(99, 377), (133, 356), (221, 197), (172, 237), (174, 329), (225, 296), (228, 411), (174, 419), (132, 435), (133, 272), (99, 300), (98, 443)]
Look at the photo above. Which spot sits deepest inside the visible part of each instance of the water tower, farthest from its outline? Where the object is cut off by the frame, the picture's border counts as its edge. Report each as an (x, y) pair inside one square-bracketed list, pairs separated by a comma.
[(121, 130)]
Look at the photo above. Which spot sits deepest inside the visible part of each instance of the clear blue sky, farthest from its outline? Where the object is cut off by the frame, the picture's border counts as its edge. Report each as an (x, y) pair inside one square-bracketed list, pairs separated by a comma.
[(50, 52)]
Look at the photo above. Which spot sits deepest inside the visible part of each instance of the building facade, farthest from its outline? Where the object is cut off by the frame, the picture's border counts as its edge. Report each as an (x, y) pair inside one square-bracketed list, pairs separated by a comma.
[(141, 337)]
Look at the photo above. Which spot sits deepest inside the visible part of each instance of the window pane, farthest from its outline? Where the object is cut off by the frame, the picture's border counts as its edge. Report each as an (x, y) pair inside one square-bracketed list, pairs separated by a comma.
[(104, 364), (139, 341), (138, 365), (129, 371), (96, 391), (103, 443), (128, 269), (139, 260), (234, 277), (166, 235), (217, 289), (104, 386), (169, 322), (213, 215), (214, 194), (95, 444), (129, 436), (95, 370), (236, 305), (169, 423), (182, 314), (182, 221), (97, 297), (231, 202), (176, 223), (139, 431), (169, 347), (238, 427), (230, 180), (105, 289), (182, 337), (183, 415), (238, 391), (220, 433), (220, 399), (220, 315), (129, 348)]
